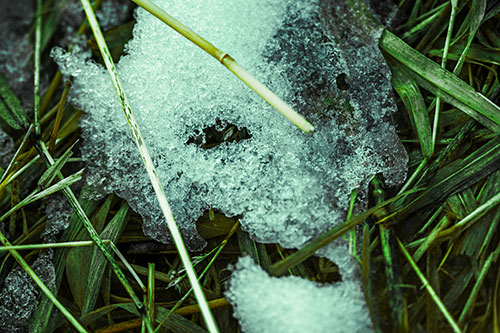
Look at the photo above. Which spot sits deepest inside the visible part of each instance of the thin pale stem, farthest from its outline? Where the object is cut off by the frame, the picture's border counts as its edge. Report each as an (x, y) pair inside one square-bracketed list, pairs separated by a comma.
[(264, 92), (429, 289), (151, 293), (446, 49), (150, 169), (414, 176), (50, 245)]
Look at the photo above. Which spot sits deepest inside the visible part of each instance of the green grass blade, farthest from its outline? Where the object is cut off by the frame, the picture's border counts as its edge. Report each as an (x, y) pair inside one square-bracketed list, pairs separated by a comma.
[(61, 185), (442, 79), (151, 171), (296, 258), (10, 106), (454, 7), (493, 257), (430, 290), (414, 102), (12, 162), (98, 263), (151, 292), (73, 201), (52, 171), (50, 245), (478, 10)]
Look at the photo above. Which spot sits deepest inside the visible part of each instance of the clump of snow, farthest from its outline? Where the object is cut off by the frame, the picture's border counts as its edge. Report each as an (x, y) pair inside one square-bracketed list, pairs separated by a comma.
[(58, 211), (16, 48), (288, 186), (292, 304), (19, 296), (6, 149)]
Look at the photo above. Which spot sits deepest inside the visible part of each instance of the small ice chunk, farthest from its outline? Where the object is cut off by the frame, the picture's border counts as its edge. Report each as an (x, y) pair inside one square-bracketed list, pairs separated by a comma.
[(58, 212), (19, 296), (292, 304)]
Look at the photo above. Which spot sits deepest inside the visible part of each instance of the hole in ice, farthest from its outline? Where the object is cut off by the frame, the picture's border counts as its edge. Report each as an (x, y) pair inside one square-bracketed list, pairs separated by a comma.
[(211, 137), (341, 81)]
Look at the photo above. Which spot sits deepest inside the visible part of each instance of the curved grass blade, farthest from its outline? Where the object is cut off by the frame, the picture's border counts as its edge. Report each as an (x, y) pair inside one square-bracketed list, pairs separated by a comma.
[(413, 100), (151, 170), (98, 263), (478, 10), (480, 106), (10, 106)]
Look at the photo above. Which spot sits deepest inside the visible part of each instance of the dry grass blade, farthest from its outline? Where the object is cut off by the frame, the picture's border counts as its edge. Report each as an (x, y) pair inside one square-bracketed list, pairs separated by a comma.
[(151, 171), (264, 92)]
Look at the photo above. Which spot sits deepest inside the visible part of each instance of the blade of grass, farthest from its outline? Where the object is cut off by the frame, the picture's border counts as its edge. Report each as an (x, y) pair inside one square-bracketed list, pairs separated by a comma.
[(177, 323), (48, 176), (10, 106), (414, 103), (61, 185), (151, 293), (98, 262), (467, 221), (365, 275), (496, 312), (493, 257), (40, 320), (325, 238), (478, 10), (430, 290), (50, 245), (79, 260), (148, 163), (205, 270), (454, 178), (224, 58), (36, 76), (57, 122), (397, 301), (480, 106), (454, 7), (73, 201)]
